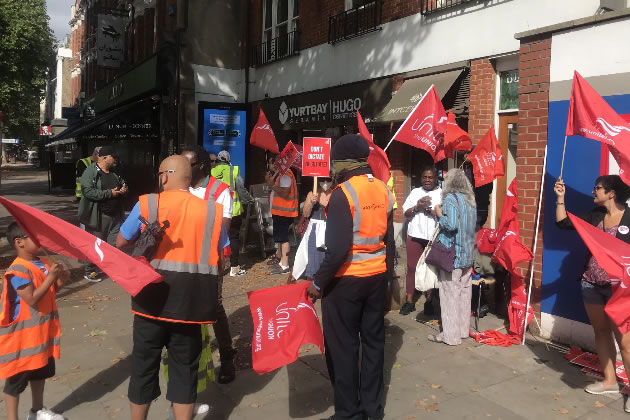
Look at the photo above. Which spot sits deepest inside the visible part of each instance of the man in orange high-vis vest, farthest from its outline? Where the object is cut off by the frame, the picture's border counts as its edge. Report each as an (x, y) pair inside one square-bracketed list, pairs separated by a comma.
[(353, 281), (168, 314), (284, 209), (29, 325), (206, 186)]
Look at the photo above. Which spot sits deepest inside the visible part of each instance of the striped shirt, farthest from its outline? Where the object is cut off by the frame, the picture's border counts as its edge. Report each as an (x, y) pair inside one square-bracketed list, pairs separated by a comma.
[(458, 222)]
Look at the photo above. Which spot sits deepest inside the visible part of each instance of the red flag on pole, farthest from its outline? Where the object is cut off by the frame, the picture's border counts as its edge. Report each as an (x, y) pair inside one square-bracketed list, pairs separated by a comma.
[(377, 159), (516, 307), (425, 126), (487, 159), (63, 238), (262, 135), (284, 319), (590, 116), (613, 256), (488, 239), (455, 138)]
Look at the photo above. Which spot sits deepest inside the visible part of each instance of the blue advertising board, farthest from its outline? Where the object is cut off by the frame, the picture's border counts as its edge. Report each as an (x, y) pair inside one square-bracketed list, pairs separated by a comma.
[(225, 129)]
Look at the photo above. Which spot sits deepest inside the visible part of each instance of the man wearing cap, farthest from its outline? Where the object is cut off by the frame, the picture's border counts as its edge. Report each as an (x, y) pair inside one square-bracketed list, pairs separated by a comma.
[(225, 172), (100, 208), (353, 279)]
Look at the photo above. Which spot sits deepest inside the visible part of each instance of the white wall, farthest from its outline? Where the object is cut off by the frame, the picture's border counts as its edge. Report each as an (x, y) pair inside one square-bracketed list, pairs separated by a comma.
[(214, 84), (415, 42), (62, 53)]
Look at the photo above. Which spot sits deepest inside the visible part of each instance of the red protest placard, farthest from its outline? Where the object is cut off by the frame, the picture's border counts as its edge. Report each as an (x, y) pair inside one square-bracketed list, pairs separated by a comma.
[(287, 158), (316, 157)]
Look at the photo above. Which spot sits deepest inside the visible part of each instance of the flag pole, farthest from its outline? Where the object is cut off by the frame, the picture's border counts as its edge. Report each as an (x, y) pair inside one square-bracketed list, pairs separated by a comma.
[(411, 113), (564, 149), (532, 264)]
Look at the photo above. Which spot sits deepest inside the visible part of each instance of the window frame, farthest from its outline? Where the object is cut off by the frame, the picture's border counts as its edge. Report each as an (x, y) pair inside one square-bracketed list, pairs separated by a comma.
[(291, 22)]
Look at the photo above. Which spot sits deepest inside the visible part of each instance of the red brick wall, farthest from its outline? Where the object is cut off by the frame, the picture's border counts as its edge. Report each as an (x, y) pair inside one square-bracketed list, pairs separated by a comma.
[(398, 154), (535, 59), (482, 93)]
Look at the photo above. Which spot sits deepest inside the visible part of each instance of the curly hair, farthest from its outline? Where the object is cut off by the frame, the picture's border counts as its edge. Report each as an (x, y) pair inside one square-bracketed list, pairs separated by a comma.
[(456, 181)]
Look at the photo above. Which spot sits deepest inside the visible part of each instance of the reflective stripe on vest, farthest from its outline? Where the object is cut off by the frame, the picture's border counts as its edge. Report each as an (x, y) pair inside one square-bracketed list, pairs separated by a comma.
[(216, 189), (287, 207), (367, 256), (28, 341)]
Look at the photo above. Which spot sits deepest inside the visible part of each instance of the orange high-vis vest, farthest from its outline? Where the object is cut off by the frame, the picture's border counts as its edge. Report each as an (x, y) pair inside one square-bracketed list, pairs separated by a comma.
[(187, 258), (215, 188), (27, 342), (371, 204), (287, 207)]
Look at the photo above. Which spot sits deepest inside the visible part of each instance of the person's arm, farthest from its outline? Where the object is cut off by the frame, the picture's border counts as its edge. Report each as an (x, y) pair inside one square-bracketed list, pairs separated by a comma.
[(243, 195), (447, 213), (224, 241), (225, 199), (390, 247), (311, 199), (561, 211), (32, 295), (281, 189), (338, 239), (130, 229)]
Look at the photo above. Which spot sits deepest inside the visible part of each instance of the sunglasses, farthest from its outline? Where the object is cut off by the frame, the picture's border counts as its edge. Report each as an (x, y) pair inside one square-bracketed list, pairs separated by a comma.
[(213, 161), (168, 171)]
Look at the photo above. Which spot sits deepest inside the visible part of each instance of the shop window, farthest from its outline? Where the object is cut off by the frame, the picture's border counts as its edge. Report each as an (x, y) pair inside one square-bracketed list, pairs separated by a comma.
[(508, 93)]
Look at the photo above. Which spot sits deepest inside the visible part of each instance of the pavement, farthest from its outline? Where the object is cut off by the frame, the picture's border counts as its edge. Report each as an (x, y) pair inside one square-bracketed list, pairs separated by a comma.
[(423, 379)]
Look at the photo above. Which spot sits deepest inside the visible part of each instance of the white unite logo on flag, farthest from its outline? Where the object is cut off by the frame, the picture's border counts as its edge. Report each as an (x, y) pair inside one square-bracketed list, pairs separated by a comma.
[(98, 249)]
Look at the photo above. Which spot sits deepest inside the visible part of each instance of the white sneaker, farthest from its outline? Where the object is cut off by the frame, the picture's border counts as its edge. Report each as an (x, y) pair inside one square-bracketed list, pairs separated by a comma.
[(44, 414), (237, 271), (198, 408)]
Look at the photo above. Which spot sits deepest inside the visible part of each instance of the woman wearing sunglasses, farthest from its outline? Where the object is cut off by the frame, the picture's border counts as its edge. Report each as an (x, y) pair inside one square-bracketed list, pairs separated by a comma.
[(613, 217)]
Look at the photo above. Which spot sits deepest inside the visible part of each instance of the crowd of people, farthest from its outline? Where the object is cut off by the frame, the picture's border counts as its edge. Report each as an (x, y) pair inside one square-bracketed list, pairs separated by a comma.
[(347, 253)]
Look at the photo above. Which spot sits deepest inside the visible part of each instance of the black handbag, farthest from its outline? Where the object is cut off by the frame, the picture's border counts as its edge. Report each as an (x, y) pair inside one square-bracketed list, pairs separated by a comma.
[(147, 243), (440, 256)]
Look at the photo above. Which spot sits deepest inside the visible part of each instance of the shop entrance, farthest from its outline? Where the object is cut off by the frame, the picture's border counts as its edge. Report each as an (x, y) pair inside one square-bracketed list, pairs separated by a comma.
[(508, 135)]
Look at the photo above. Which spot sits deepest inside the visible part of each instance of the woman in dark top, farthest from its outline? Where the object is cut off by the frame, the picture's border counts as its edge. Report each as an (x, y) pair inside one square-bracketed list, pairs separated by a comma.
[(612, 216)]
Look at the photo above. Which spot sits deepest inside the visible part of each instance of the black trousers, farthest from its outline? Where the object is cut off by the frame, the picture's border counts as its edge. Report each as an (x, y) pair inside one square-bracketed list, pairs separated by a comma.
[(222, 329), (353, 315), (235, 240)]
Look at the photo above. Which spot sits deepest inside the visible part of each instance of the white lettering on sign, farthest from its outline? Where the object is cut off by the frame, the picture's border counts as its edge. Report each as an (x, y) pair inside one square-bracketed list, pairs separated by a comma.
[(259, 330), (316, 156)]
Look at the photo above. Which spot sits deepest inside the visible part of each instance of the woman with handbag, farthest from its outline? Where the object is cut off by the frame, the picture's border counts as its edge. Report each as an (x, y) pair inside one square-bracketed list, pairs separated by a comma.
[(418, 209), (612, 216), (452, 253), (312, 227)]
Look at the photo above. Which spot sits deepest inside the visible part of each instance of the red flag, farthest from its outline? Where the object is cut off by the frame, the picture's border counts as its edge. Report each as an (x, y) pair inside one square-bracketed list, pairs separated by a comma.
[(516, 307), (63, 238), (590, 116), (262, 135), (425, 126), (487, 159), (455, 138), (377, 159), (284, 319), (488, 239), (613, 256)]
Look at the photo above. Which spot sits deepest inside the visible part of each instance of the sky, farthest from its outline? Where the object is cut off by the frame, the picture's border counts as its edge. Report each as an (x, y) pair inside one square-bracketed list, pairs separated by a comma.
[(59, 12)]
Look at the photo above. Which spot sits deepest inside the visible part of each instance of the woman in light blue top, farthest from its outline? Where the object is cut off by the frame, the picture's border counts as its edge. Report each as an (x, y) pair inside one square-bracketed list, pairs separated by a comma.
[(457, 217)]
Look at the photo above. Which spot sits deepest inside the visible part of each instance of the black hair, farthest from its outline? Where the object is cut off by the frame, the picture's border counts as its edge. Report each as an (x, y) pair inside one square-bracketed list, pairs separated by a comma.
[(429, 168), (614, 183), (14, 231), (200, 152)]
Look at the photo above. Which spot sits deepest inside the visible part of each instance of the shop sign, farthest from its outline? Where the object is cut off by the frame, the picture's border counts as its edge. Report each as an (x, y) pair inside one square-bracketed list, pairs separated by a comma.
[(110, 40), (45, 130), (328, 107), (130, 85)]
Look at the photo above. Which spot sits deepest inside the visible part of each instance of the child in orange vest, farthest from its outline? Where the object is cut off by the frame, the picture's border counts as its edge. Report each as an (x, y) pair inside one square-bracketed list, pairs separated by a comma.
[(29, 325)]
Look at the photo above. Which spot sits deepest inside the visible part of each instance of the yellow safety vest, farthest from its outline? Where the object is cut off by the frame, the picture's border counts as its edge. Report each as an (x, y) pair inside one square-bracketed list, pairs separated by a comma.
[(390, 185), (222, 173), (87, 162)]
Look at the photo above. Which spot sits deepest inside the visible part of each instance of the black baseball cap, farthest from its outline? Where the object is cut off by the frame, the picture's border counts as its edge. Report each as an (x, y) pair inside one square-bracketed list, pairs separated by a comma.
[(108, 151)]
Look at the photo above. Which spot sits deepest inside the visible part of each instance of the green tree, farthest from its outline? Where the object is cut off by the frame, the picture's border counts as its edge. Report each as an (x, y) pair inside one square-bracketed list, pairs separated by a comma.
[(26, 45)]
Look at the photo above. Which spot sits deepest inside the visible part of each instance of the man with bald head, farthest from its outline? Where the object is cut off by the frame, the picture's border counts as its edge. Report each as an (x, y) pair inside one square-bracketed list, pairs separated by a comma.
[(168, 314)]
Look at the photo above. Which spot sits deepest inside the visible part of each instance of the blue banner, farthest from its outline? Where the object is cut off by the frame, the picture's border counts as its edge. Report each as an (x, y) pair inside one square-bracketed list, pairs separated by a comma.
[(225, 129)]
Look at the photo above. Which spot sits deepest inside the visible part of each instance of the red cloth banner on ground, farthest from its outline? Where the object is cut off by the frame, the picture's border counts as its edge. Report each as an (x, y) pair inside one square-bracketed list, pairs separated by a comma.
[(455, 139), (378, 160), (262, 135), (284, 319), (288, 158), (590, 116), (425, 126), (613, 256), (316, 157), (590, 363), (61, 237), (487, 159)]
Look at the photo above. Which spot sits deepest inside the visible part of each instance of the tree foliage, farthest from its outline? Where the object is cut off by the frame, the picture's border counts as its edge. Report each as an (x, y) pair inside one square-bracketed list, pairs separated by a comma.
[(26, 45)]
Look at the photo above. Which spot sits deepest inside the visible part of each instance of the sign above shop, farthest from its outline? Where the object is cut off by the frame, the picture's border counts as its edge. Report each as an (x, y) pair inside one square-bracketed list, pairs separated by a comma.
[(328, 107), (137, 82)]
